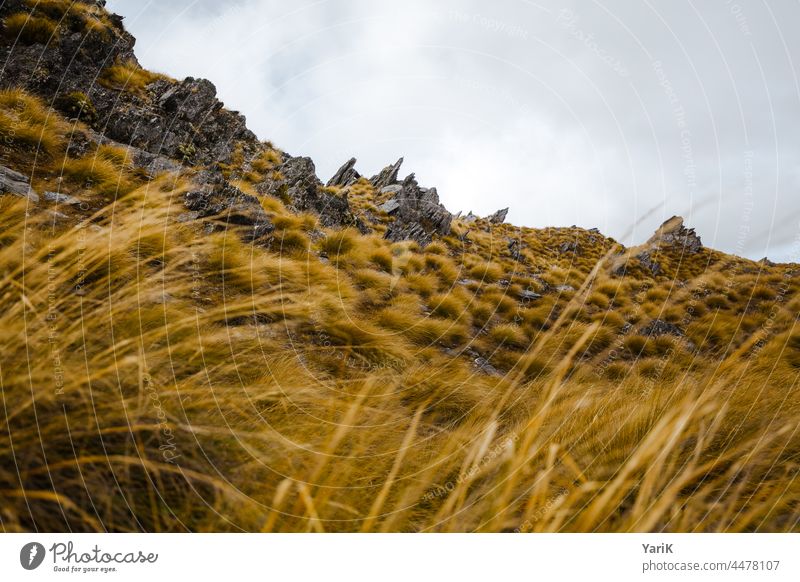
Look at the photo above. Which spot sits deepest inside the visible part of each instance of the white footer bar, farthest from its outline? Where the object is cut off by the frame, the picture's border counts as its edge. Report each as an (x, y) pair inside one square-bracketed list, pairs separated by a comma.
[(401, 557)]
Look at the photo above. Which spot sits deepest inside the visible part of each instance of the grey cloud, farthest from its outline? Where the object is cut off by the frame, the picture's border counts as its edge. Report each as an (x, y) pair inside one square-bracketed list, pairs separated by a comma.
[(569, 112)]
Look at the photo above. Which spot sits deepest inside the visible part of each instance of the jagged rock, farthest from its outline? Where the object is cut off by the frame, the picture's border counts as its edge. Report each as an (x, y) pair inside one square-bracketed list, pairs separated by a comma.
[(302, 190), (766, 262), (648, 262), (181, 120), (416, 210), (658, 327), (218, 199), (514, 249), (675, 234), (570, 247), (470, 217), (185, 121), (151, 164), (390, 206), (391, 189), (345, 175), (387, 176), (418, 214), (17, 184), (59, 198), (498, 217)]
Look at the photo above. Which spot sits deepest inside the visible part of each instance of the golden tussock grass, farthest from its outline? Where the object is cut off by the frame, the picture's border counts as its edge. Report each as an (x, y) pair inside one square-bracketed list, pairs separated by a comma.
[(128, 76), (156, 377)]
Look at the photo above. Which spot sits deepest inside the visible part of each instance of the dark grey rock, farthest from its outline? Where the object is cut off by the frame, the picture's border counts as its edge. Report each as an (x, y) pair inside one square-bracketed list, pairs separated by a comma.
[(570, 247), (387, 176), (484, 366), (675, 234), (526, 295), (659, 327), (59, 198), (390, 206), (419, 215), (16, 184), (649, 263), (345, 175), (219, 200), (302, 190), (498, 217), (391, 189)]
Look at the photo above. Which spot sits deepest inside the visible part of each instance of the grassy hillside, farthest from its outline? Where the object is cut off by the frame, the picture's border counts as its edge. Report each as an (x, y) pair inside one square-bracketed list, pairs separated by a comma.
[(161, 372)]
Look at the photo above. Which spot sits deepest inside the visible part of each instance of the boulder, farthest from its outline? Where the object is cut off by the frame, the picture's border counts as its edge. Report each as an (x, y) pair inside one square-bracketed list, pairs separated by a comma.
[(16, 184)]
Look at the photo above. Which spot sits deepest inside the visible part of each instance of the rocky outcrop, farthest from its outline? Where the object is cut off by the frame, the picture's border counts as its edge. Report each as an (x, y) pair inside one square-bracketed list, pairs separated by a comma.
[(169, 125), (183, 120), (302, 190), (345, 175), (387, 177), (674, 234), (16, 184), (647, 261), (671, 237), (417, 212), (570, 248), (498, 217), (217, 199)]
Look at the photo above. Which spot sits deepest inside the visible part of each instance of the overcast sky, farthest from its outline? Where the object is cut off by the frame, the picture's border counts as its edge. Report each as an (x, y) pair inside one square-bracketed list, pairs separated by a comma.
[(587, 113)]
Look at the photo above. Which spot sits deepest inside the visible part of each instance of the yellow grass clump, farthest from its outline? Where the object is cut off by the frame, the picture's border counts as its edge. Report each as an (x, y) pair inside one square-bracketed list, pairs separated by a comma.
[(158, 376)]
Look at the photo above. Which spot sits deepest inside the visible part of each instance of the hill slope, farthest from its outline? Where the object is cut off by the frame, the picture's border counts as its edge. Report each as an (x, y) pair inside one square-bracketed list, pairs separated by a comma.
[(200, 335)]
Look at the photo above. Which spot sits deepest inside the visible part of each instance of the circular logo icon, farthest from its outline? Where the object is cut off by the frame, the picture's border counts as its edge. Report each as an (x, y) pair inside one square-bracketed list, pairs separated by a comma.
[(31, 555)]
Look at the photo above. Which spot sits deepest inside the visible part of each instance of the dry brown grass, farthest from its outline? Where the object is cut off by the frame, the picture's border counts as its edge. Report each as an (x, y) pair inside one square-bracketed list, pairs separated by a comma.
[(155, 377), (128, 76)]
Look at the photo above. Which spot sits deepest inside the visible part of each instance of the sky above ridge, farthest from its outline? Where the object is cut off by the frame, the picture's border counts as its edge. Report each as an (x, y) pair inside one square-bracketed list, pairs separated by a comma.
[(615, 114)]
